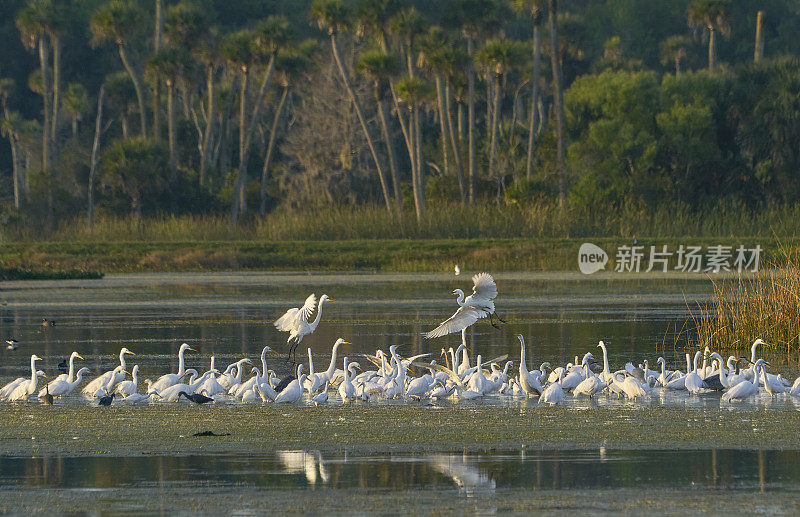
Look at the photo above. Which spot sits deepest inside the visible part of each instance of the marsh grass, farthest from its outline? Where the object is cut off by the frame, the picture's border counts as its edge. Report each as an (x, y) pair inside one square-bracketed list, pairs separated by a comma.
[(443, 220), (764, 305)]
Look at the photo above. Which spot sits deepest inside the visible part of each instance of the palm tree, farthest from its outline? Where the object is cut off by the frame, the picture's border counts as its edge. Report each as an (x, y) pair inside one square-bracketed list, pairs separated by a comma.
[(406, 25), (169, 65), (414, 91), (712, 15), (76, 104), (673, 51), (558, 98), (10, 127), (497, 56), (118, 22), (534, 7), (333, 16), (33, 22), (379, 67), (437, 52), (475, 17), (289, 65), (121, 95)]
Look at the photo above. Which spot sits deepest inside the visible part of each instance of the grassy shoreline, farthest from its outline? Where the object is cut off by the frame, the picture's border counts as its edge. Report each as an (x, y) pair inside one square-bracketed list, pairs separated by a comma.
[(390, 255), (33, 429)]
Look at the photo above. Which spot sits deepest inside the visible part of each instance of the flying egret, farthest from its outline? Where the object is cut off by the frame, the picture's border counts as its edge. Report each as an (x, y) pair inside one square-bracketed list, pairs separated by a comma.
[(472, 308), (295, 320)]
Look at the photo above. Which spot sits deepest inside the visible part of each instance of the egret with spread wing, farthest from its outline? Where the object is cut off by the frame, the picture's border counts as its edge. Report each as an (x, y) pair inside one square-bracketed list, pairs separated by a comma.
[(472, 308), (296, 320)]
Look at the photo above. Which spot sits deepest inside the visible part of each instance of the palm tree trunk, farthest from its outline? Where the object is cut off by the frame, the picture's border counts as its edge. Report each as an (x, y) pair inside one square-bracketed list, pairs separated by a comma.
[(416, 180), (677, 65), (15, 167), (270, 146), (157, 86), (408, 137), (712, 40), (244, 155), (384, 121), (534, 97), (473, 173), (498, 83), (93, 164), (442, 124), (43, 61), (56, 43), (362, 121), (235, 201), (558, 95), (456, 147), (137, 86), (209, 125), (173, 153)]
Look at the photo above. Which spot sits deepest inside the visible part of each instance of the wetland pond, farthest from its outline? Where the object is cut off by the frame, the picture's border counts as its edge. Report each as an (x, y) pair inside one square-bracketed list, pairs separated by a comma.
[(230, 315)]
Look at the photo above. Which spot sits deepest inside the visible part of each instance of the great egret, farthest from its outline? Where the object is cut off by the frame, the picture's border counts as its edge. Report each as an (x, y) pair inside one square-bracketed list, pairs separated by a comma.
[(69, 377), (114, 376), (346, 389), (322, 396), (294, 390), (530, 384), (472, 308), (694, 384), (170, 379), (126, 388), (8, 389), (745, 389), (553, 393), (295, 320), (61, 387), (457, 270)]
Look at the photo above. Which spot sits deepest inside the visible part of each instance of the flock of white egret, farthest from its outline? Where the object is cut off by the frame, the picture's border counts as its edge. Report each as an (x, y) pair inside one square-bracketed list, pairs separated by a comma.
[(392, 376)]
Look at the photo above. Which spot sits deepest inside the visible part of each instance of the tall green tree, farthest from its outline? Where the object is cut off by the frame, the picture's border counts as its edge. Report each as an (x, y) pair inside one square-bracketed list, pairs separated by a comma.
[(118, 22), (674, 50), (713, 16), (558, 99), (414, 92), (333, 16), (134, 167), (76, 104), (498, 56), (534, 7)]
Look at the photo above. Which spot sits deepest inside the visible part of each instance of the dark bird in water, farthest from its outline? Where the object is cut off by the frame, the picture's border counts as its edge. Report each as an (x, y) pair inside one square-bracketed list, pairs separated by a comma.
[(12, 344), (48, 323), (63, 367), (197, 398), (48, 399), (285, 381), (106, 401)]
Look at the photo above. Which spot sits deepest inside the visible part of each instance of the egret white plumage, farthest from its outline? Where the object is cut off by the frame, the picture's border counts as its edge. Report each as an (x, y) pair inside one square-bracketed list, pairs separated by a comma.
[(296, 322), (114, 375), (170, 379), (479, 304)]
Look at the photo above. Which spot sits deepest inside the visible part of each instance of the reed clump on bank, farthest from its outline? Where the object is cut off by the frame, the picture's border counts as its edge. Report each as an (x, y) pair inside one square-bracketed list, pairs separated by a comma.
[(764, 305)]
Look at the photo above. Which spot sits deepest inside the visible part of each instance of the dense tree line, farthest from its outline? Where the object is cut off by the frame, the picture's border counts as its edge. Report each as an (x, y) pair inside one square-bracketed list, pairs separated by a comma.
[(241, 108)]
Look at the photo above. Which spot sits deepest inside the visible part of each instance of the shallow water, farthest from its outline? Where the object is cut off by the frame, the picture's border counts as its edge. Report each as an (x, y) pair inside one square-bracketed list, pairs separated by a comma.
[(472, 473), (230, 314)]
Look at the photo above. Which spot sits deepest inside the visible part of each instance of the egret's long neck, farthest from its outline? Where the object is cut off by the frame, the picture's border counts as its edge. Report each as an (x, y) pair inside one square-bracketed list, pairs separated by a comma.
[(460, 299), (77, 381), (663, 370), (122, 360), (753, 352), (694, 364), (33, 370), (71, 376), (181, 364), (688, 364), (264, 361), (331, 367), (310, 363), (523, 366), (319, 315), (606, 369)]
